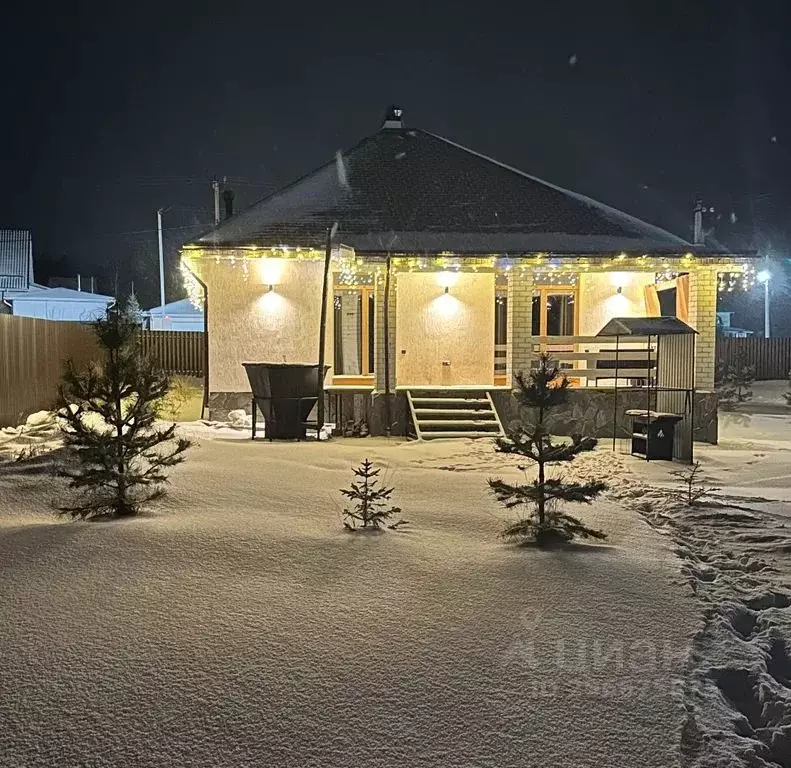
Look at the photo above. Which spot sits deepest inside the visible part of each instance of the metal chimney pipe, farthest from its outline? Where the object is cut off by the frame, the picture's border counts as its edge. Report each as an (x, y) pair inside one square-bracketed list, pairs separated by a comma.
[(697, 230), (227, 197)]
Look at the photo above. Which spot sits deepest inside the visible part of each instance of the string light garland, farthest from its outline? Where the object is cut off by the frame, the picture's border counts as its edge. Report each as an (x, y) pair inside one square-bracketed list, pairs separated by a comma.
[(545, 268)]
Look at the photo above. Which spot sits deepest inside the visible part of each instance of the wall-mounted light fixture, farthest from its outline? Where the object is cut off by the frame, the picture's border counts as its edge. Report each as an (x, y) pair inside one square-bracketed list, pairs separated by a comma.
[(270, 289), (619, 289), (447, 279)]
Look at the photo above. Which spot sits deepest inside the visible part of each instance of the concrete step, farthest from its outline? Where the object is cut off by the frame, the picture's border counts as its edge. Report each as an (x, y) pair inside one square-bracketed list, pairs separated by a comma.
[(460, 424), (454, 412), (470, 433)]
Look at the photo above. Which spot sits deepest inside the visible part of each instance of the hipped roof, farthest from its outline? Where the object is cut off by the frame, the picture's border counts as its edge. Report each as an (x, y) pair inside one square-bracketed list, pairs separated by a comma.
[(411, 191)]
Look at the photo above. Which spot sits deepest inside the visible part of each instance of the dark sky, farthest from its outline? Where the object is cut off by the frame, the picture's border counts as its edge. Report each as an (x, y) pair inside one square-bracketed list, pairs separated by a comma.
[(108, 115)]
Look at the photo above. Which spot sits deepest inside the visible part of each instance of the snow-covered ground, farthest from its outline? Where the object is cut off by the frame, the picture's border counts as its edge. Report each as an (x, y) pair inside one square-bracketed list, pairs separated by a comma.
[(239, 625)]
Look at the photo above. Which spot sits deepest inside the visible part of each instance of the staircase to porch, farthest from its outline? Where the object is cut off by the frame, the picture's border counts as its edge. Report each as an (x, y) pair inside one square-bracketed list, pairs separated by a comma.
[(453, 413)]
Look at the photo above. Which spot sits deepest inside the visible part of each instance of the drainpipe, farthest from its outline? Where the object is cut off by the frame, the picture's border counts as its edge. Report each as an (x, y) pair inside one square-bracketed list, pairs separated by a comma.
[(205, 289), (386, 336), (323, 331)]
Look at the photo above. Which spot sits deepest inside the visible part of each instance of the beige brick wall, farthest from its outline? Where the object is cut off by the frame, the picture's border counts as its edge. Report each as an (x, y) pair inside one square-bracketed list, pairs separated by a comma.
[(703, 318), (520, 323)]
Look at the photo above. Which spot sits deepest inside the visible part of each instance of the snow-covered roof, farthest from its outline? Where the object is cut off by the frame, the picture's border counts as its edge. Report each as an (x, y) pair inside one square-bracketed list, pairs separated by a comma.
[(16, 259), (58, 294), (413, 191), (181, 307)]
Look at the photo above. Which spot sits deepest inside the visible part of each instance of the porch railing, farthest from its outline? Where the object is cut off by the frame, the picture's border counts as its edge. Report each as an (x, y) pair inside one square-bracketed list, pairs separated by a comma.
[(590, 361)]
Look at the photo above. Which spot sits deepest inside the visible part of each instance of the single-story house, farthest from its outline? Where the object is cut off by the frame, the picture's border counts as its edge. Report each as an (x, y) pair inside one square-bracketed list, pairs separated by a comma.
[(16, 260), (58, 304), (183, 315), (449, 272)]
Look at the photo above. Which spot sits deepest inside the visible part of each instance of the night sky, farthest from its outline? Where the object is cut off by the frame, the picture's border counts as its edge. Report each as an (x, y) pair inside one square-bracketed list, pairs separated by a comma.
[(109, 115)]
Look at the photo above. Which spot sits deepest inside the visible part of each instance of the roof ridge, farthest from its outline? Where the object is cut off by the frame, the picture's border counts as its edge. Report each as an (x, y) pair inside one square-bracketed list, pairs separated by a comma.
[(287, 187), (576, 195)]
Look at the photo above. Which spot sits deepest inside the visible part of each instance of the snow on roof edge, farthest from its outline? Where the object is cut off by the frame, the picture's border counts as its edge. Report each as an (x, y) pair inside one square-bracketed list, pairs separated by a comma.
[(576, 195)]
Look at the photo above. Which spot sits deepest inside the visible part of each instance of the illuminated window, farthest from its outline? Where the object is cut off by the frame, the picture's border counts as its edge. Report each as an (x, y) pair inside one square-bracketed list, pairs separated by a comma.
[(354, 331), (554, 311)]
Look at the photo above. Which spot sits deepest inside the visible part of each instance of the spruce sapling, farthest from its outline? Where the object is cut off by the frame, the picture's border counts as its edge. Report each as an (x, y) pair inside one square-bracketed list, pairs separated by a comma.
[(543, 388), (693, 485), (371, 501), (736, 380), (119, 457)]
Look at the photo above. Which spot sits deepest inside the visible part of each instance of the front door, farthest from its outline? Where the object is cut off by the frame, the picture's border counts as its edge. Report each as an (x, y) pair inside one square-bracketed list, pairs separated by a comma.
[(444, 338)]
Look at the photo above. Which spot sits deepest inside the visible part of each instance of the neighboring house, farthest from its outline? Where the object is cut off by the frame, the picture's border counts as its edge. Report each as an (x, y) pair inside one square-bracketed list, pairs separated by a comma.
[(725, 327), (16, 260), (175, 316), (58, 304), (487, 266)]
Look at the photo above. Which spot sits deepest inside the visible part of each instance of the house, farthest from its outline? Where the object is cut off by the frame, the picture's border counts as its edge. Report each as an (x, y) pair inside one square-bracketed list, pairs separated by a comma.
[(58, 304), (450, 272), (16, 260), (726, 328), (181, 315)]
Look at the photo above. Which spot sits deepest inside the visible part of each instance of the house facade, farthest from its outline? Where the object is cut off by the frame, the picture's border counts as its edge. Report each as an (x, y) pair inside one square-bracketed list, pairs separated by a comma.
[(449, 272)]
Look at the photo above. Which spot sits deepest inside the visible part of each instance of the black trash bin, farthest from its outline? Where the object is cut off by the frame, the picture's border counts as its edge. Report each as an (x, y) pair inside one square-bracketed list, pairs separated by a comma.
[(653, 433), (285, 393)]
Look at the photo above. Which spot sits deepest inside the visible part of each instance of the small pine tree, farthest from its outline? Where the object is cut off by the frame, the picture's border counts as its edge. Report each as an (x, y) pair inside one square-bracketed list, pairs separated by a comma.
[(735, 380), (692, 484), (109, 414), (542, 389), (131, 310), (371, 502)]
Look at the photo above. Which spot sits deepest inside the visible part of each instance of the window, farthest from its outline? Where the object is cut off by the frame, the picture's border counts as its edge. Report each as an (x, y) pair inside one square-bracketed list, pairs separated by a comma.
[(554, 311), (354, 331)]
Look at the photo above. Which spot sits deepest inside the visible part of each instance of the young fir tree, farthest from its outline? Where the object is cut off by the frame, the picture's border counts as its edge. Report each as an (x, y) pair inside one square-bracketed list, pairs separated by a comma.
[(542, 389), (371, 501), (736, 380), (119, 457), (132, 309)]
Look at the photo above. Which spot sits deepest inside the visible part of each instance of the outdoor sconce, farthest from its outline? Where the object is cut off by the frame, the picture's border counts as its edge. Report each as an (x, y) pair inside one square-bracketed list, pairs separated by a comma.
[(447, 289), (619, 289), (270, 288)]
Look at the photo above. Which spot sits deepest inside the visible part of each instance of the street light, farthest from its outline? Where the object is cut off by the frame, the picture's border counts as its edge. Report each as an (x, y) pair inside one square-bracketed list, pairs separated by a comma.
[(764, 276), (161, 260)]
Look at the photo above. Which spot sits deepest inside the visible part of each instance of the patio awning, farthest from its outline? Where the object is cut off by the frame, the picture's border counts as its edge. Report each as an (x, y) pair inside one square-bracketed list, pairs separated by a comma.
[(645, 326)]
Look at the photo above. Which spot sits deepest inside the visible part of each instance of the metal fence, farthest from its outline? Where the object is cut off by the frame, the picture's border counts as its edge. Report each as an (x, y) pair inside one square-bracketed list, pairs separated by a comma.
[(32, 356), (181, 353), (771, 357), (33, 353)]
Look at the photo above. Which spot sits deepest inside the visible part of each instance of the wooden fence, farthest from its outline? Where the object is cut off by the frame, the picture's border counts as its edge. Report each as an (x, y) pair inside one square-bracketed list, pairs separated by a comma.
[(32, 355), (771, 357), (181, 353)]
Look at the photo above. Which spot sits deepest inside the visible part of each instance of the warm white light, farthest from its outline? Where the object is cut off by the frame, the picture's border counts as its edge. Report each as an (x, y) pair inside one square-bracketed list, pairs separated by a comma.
[(270, 271), (764, 276), (447, 279), (620, 279)]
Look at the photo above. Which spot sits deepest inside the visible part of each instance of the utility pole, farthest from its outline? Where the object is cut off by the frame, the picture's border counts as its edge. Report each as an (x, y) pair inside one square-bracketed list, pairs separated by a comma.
[(215, 185), (161, 260), (767, 328)]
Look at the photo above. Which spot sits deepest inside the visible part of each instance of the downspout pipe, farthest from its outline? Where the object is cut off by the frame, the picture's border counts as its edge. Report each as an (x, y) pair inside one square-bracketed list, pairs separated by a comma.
[(205, 290)]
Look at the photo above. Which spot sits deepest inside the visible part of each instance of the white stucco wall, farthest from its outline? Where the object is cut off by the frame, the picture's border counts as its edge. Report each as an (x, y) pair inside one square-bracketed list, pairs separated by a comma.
[(433, 327), (599, 300), (249, 323)]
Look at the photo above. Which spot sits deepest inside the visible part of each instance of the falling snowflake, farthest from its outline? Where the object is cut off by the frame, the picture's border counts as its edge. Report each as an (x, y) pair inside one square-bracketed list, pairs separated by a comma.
[(340, 166), (773, 139), (572, 59), (733, 217), (400, 156)]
